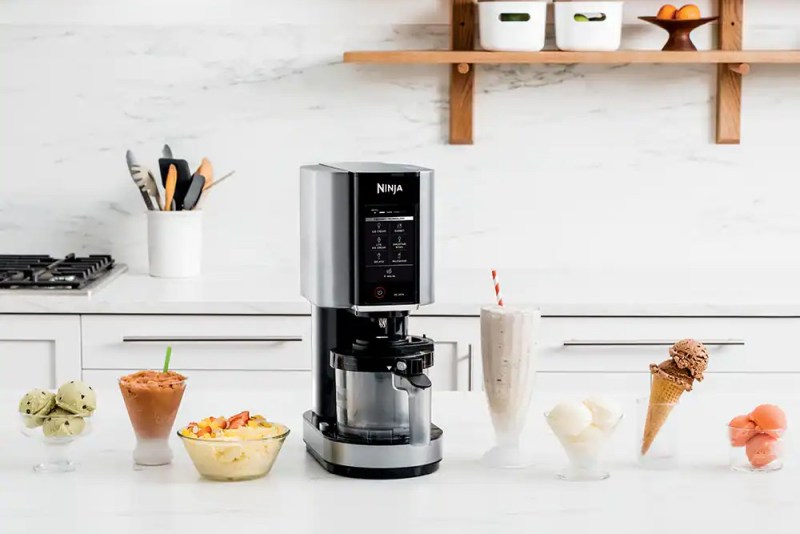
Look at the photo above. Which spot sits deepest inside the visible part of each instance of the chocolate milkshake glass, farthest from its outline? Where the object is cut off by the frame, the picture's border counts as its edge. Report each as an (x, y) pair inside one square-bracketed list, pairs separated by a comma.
[(508, 337), (152, 399)]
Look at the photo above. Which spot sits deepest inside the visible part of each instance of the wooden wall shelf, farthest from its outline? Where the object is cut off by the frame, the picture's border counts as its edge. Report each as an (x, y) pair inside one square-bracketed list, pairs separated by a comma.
[(557, 57), (732, 63)]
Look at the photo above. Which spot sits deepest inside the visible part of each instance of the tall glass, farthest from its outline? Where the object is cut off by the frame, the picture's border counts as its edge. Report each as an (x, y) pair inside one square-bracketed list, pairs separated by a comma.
[(509, 368), (152, 399)]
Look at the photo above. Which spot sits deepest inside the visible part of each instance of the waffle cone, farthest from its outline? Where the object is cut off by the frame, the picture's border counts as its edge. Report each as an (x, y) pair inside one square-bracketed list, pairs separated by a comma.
[(664, 394)]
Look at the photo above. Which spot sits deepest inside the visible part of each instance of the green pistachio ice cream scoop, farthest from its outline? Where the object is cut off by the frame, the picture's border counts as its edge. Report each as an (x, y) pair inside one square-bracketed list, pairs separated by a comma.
[(62, 423), (76, 397), (37, 402)]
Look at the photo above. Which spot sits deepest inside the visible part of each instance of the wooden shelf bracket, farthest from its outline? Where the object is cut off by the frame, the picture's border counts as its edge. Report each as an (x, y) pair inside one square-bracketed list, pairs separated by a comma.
[(462, 75), (729, 76)]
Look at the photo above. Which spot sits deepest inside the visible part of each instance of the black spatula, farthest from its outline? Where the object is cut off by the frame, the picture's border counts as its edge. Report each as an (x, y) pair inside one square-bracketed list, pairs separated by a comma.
[(184, 177)]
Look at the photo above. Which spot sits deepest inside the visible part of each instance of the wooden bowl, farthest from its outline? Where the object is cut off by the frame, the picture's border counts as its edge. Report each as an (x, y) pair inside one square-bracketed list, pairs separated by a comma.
[(679, 30)]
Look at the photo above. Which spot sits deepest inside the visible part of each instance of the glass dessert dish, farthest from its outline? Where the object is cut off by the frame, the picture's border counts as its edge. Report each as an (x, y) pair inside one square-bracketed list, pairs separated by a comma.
[(756, 450), (508, 337), (584, 438), (56, 432), (659, 425), (242, 454), (152, 399)]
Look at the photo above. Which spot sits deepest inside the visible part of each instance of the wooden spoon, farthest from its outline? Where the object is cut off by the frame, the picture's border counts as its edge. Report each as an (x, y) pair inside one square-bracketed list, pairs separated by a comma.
[(206, 169), (169, 189)]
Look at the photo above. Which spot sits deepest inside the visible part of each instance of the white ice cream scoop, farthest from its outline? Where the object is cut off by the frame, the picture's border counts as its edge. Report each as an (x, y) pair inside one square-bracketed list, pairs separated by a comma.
[(569, 419), (605, 412)]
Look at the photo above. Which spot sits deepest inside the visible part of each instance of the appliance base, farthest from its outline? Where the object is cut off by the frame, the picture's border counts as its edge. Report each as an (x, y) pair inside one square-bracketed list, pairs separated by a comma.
[(373, 473), (374, 461)]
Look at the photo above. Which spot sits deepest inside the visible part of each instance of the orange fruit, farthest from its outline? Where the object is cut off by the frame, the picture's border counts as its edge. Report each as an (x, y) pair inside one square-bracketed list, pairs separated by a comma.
[(688, 12), (666, 12), (762, 450), (740, 430)]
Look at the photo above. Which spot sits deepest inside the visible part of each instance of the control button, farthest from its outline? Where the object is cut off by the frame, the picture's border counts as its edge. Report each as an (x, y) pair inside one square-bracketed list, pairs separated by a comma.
[(401, 366), (399, 256), (379, 292), (377, 257), (378, 243), (377, 228)]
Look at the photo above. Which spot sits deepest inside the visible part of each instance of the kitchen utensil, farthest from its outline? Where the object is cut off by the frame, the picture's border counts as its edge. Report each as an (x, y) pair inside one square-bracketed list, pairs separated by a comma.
[(149, 181), (208, 186), (139, 179), (169, 188), (166, 152), (210, 183), (679, 32), (184, 177), (194, 192), (206, 169)]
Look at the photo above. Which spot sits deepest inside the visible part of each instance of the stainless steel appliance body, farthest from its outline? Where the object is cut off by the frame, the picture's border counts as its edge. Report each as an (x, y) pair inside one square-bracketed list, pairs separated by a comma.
[(366, 261)]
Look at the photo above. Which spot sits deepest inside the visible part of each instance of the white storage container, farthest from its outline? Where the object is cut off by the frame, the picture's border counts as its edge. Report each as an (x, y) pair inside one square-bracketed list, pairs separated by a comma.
[(175, 243), (512, 25), (588, 26)]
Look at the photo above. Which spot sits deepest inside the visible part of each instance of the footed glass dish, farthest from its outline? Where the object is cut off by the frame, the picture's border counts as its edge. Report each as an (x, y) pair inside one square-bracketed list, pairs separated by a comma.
[(56, 433)]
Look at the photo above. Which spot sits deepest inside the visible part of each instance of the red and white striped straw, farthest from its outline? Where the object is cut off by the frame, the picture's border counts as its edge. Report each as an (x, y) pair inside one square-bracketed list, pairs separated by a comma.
[(497, 288)]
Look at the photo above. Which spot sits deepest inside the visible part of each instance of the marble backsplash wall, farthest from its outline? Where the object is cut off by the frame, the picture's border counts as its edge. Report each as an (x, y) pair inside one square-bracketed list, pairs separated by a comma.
[(573, 166)]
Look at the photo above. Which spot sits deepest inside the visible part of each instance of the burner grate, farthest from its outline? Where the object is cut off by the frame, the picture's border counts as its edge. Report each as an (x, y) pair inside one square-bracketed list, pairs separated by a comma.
[(46, 272)]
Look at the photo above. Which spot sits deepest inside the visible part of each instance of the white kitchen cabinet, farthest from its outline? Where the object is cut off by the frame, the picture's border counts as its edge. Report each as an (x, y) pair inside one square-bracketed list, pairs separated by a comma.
[(598, 345), (39, 350), (593, 351), (454, 343), (200, 343)]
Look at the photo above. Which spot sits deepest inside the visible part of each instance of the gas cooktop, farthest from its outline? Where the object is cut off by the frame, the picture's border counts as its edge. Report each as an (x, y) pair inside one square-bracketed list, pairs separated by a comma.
[(69, 275)]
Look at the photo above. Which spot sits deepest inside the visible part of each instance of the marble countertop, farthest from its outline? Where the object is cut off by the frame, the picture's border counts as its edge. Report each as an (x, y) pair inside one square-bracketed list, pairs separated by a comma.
[(620, 292), (701, 496)]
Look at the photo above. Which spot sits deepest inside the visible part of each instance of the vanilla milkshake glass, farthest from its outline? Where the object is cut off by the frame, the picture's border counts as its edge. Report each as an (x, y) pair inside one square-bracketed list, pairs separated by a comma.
[(508, 339)]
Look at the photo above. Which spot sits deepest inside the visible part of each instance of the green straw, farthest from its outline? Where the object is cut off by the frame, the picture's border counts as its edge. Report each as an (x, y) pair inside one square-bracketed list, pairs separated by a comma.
[(166, 359)]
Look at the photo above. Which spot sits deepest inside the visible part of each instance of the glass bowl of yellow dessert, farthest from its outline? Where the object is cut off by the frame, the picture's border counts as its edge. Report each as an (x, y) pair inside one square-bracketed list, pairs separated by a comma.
[(241, 447)]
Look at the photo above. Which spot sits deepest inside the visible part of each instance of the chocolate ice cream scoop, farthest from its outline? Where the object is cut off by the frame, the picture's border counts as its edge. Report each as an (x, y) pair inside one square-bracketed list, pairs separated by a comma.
[(669, 370), (690, 355), (688, 361)]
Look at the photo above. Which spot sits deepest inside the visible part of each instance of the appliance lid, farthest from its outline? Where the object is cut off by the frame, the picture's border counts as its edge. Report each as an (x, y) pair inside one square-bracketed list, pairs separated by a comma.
[(365, 167)]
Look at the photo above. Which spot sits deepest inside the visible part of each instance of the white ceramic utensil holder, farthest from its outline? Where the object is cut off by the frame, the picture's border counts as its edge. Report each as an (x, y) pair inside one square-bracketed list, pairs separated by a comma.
[(175, 243), (588, 26), (512, 25)]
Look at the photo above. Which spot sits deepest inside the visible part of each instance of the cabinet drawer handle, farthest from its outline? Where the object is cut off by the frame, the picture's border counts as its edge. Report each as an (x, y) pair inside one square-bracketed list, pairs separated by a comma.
[(211, 339), (646, 343)]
